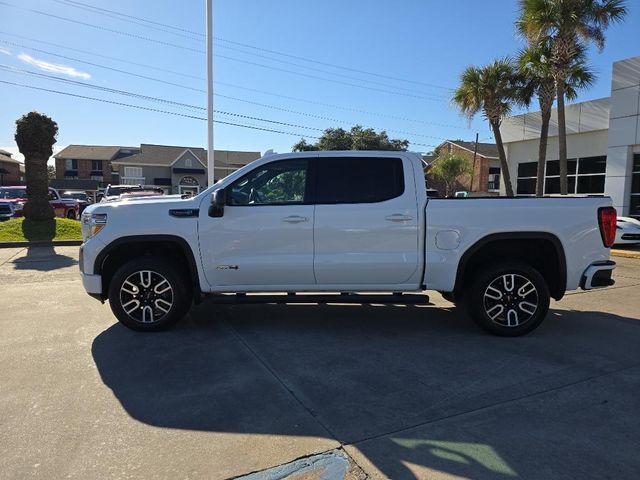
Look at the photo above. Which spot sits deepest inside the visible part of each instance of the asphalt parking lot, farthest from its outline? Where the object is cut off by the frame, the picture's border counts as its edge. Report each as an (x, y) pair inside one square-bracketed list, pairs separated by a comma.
[(400, 391)]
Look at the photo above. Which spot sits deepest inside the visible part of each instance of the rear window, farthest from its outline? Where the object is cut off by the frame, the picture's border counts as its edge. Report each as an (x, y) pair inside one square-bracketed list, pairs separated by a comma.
[(13, 193), (359, 179)]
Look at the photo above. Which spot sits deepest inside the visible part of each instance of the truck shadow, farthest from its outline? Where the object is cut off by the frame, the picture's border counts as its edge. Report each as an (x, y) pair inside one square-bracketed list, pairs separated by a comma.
[(359, 373)]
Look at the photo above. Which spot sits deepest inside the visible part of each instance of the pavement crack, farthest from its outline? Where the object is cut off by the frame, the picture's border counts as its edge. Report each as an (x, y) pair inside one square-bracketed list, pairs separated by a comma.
[(487, 407), (275, 375)]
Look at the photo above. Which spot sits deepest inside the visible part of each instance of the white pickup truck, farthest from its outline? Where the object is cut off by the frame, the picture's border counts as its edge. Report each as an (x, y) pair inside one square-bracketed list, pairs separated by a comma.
[(344, 222)]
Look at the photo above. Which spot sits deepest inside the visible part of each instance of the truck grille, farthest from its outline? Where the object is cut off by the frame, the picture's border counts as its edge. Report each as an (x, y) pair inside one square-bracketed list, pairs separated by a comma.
[(5, 209)]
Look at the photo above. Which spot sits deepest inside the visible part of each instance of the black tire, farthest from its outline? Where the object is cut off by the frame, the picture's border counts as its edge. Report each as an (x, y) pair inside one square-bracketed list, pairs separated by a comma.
[(71, 214), (504, 312), (131, 283)]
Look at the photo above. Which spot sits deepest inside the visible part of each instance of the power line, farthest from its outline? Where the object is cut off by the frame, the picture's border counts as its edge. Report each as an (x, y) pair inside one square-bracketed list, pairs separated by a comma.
[(140, 107), (72, 2), (99, 27), (145, 77), (194, 107), (93, 64), (112, 14), (117, 17), (246, 45)]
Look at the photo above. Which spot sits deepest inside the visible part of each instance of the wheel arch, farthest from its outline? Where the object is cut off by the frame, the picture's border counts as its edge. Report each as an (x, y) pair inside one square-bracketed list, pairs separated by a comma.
[(126, 248), (543, 250)]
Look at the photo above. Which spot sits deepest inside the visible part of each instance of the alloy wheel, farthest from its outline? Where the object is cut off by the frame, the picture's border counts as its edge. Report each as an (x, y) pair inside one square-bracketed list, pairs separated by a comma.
[(146, 296), (510, 300)]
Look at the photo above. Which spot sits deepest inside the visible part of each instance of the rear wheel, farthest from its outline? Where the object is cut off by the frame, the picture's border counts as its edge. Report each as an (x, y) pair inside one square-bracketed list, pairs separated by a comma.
[(148, 294), (509, 299)]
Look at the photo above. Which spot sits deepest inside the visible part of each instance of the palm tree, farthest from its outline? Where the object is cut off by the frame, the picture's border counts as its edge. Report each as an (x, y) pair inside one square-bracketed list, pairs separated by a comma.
[(568, 25), (35, 136), (534, 64), (492, 89)]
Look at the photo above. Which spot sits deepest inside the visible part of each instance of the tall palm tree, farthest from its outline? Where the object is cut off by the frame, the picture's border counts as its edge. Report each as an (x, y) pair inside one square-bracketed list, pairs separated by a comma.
[(35, 136), (568, 24), (492, 89), (534, 64)]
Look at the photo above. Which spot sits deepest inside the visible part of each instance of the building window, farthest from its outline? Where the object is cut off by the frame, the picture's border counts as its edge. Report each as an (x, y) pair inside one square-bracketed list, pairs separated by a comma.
[(188, 162), (494, 179), (584, 176), (96, 165), (133, 172), (634, 209), (526, 184), (71, 164)]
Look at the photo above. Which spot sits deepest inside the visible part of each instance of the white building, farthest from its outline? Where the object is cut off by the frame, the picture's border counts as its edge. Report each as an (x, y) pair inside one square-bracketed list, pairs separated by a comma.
[(603, 144)]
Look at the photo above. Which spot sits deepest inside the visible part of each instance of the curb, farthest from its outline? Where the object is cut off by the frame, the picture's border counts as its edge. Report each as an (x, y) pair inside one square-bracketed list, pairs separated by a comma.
[(52, 243), (625, 253)]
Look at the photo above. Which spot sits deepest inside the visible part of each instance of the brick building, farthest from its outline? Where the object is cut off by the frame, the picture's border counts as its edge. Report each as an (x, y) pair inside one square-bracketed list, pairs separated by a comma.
[(486, 175), (90, 162), (11, 170)]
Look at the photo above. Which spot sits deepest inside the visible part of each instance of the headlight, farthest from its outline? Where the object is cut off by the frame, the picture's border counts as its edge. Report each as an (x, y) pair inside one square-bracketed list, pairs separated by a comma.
[(17, 206), (92, 223)]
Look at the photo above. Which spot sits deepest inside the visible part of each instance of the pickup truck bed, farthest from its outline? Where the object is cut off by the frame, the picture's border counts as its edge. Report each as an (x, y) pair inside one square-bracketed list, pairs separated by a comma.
[(344, 222)]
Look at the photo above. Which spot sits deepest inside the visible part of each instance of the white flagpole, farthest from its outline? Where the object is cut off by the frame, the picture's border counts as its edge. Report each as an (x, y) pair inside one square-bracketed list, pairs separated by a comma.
[(210, 149)]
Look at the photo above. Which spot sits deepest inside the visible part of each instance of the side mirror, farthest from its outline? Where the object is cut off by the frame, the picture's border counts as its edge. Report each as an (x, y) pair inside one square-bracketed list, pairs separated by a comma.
[(218, 201)]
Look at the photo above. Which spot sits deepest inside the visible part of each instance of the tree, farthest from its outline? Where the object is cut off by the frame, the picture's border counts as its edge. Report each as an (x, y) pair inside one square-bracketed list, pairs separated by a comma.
[(449, 168), (568, 25), (492, 89), (358, 138), (534, 63), (51, 172), (35, 136)]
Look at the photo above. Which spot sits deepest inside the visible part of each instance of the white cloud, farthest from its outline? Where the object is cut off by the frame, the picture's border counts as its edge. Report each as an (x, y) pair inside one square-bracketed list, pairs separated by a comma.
[(5, 51), (53, 67)]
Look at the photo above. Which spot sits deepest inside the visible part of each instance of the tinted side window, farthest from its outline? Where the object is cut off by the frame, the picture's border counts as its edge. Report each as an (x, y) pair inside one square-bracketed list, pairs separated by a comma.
[(359, 179), (276, 183)]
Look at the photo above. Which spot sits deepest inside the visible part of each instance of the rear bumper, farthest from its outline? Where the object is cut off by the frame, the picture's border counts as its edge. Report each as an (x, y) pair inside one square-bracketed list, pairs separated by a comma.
[(598, 275)]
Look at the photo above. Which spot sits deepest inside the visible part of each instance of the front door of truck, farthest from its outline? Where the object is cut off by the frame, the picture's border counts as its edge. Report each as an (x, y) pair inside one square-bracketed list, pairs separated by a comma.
[(265, 237), (366, 222)]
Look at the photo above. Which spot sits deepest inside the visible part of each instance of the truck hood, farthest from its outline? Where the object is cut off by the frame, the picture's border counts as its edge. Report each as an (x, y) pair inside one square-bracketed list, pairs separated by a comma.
[(148, 205)]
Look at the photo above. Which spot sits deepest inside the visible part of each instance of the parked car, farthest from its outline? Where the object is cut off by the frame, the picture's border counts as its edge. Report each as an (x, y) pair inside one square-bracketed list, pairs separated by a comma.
[(627, 231), (287, 223), (114, 192), (83, 199), (6, 210), (63, 207)]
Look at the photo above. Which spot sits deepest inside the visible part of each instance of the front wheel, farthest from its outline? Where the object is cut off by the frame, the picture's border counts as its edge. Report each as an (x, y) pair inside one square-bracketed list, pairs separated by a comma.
[(509, 299), (148, 294), (71, 214)]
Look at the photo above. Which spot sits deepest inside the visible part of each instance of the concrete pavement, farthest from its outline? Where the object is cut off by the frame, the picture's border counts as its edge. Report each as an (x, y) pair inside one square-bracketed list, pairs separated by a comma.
[(400, 391)]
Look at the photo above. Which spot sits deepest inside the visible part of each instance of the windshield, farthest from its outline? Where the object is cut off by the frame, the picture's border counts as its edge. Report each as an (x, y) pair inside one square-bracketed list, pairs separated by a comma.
[(77, 196), (13, 193)]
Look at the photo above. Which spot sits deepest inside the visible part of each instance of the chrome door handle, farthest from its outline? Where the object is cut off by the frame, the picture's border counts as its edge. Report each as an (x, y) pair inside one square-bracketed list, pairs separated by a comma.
[(398, 217), (295, 219)]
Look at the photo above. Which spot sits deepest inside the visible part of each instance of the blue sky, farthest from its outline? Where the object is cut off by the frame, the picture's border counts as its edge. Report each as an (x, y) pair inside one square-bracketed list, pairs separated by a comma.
[(422, 45)]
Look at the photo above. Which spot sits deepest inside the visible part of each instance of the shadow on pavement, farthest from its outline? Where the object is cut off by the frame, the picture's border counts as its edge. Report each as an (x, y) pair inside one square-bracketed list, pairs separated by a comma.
[(43, 259), (360, 373)]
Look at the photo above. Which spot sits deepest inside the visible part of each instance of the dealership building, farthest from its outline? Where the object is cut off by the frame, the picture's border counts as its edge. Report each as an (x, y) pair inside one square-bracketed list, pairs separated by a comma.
[(603, 145)]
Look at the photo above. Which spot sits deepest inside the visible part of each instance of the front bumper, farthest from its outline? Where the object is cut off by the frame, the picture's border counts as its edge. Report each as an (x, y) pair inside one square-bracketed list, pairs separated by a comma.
[(598, 275), (92, 283)]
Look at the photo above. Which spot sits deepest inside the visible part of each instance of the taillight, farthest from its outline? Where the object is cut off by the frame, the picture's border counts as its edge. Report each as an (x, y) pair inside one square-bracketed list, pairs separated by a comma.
[(607, 218)]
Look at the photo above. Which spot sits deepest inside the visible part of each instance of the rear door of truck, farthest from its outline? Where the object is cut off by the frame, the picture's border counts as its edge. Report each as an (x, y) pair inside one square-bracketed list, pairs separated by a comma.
[(366, 220)]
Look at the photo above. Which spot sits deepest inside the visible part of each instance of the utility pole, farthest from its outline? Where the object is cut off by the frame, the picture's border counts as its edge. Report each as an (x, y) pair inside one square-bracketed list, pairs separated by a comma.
[(473, 168), (210, 149)]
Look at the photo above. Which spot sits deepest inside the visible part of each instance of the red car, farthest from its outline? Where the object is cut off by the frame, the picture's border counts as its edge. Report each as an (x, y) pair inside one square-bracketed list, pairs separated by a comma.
[(63, 207)]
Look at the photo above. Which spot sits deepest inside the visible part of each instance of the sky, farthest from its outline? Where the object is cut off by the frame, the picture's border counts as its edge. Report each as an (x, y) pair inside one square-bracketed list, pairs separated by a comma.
[(297, 67)]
